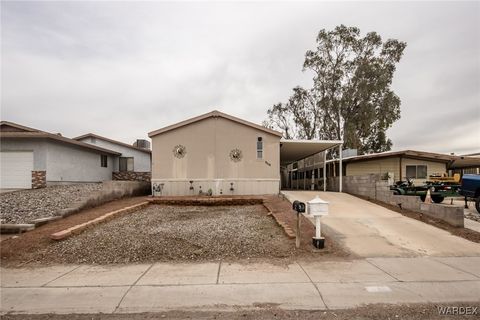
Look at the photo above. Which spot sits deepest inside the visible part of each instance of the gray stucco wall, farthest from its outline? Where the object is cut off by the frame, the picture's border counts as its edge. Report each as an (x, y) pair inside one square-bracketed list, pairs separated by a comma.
[(38, 146), (141, 162), (68, 163)]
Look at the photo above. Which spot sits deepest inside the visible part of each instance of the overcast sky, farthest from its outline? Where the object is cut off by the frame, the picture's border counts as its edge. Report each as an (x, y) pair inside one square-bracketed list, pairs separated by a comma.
[(122, 69)]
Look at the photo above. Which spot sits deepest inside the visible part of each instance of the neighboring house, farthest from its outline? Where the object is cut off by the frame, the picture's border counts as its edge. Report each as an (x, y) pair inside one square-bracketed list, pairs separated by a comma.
[(134, 163), (223, 154), (400, 165), (415, 165), (32, 158)]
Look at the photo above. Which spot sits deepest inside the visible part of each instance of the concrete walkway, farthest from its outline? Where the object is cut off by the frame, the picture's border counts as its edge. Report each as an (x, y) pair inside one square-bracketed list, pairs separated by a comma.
[(224, 286), (370, 230)]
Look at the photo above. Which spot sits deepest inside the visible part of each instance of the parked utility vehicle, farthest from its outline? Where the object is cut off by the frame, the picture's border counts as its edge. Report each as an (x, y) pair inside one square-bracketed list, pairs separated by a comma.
[(471, 189), (438, 192)]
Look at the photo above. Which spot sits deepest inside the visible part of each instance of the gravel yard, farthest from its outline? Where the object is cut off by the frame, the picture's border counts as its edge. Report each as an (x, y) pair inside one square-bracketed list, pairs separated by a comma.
[(180, 233), (25, 205)]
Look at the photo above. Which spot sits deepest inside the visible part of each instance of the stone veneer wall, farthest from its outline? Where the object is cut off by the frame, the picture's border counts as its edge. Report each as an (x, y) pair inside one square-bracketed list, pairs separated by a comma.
[(39, 179), (373, 187), (131, 176)]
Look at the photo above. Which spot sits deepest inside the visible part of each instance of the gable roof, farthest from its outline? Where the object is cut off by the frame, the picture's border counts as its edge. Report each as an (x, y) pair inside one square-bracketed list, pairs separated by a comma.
[(14, 130), (213, 114), (7, 126), (93, 135)]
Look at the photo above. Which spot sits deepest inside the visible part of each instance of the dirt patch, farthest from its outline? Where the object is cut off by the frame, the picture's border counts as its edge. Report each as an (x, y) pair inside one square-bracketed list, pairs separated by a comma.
[(25, 248), (460, 232), (376, 311)]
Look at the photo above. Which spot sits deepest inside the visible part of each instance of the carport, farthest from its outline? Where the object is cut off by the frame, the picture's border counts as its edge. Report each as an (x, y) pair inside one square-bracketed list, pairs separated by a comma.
[(465, 164), (299, 151)]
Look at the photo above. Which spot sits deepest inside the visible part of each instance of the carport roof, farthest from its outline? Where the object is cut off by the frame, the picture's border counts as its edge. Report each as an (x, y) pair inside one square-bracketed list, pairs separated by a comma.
[(463, 162), (294, 150)]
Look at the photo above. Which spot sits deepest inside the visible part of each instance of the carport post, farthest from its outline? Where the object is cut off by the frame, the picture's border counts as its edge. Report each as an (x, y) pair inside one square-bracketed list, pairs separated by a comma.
[(325, 171), (340, 178)]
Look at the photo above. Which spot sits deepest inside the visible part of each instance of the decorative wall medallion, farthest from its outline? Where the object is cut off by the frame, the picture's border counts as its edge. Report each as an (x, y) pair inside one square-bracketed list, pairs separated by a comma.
[(158, 188), (179, 151), (236, 155)]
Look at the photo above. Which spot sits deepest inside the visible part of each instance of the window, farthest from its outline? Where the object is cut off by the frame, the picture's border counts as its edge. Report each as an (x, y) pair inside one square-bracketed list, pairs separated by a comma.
[(417, 172), (421, 172), (103, 160), (125, 164), (259, 148)]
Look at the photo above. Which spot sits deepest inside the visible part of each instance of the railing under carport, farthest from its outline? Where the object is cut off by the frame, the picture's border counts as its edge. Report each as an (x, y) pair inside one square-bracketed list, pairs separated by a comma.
[(298, 151)]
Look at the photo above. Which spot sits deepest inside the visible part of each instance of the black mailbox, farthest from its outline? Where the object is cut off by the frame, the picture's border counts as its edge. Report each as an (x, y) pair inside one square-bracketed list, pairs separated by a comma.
[(298, 206)]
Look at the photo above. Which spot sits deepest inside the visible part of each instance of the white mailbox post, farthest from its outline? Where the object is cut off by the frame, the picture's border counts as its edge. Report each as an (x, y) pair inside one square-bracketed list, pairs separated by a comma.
[(317, 208)]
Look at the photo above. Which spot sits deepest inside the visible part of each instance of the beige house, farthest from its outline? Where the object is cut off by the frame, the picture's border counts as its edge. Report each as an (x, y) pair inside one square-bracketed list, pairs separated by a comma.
[(401, 165), (415, 165), (223, 155), (215, 152)]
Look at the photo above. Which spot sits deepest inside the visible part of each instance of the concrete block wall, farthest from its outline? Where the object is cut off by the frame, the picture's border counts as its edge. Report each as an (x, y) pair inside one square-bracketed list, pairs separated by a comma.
[(384, 194), (111, 190), (361, 185), (452, 215)]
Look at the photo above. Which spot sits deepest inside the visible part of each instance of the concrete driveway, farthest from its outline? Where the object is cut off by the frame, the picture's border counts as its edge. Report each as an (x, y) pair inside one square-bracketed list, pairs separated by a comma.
[(370, 230)]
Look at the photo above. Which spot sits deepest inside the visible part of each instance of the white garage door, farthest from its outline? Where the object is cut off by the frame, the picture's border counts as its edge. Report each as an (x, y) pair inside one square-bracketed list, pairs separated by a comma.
[(16, 169)]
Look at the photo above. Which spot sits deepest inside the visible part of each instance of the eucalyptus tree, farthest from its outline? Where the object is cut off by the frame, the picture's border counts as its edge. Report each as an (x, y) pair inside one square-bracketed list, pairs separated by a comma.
[(351, 98)]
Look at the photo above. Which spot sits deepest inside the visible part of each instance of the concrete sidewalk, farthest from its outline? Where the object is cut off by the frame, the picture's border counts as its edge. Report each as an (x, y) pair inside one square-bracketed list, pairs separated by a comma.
[(229, 286)]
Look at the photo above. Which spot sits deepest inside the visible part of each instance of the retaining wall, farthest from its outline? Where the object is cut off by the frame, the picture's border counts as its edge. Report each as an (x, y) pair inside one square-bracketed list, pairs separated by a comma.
[(111, 190), (131, 176)]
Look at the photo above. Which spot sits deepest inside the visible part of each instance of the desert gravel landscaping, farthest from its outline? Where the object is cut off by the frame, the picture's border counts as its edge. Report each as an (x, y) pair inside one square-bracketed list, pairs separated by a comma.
[(169, 234), (23, 206), (179, 233)]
